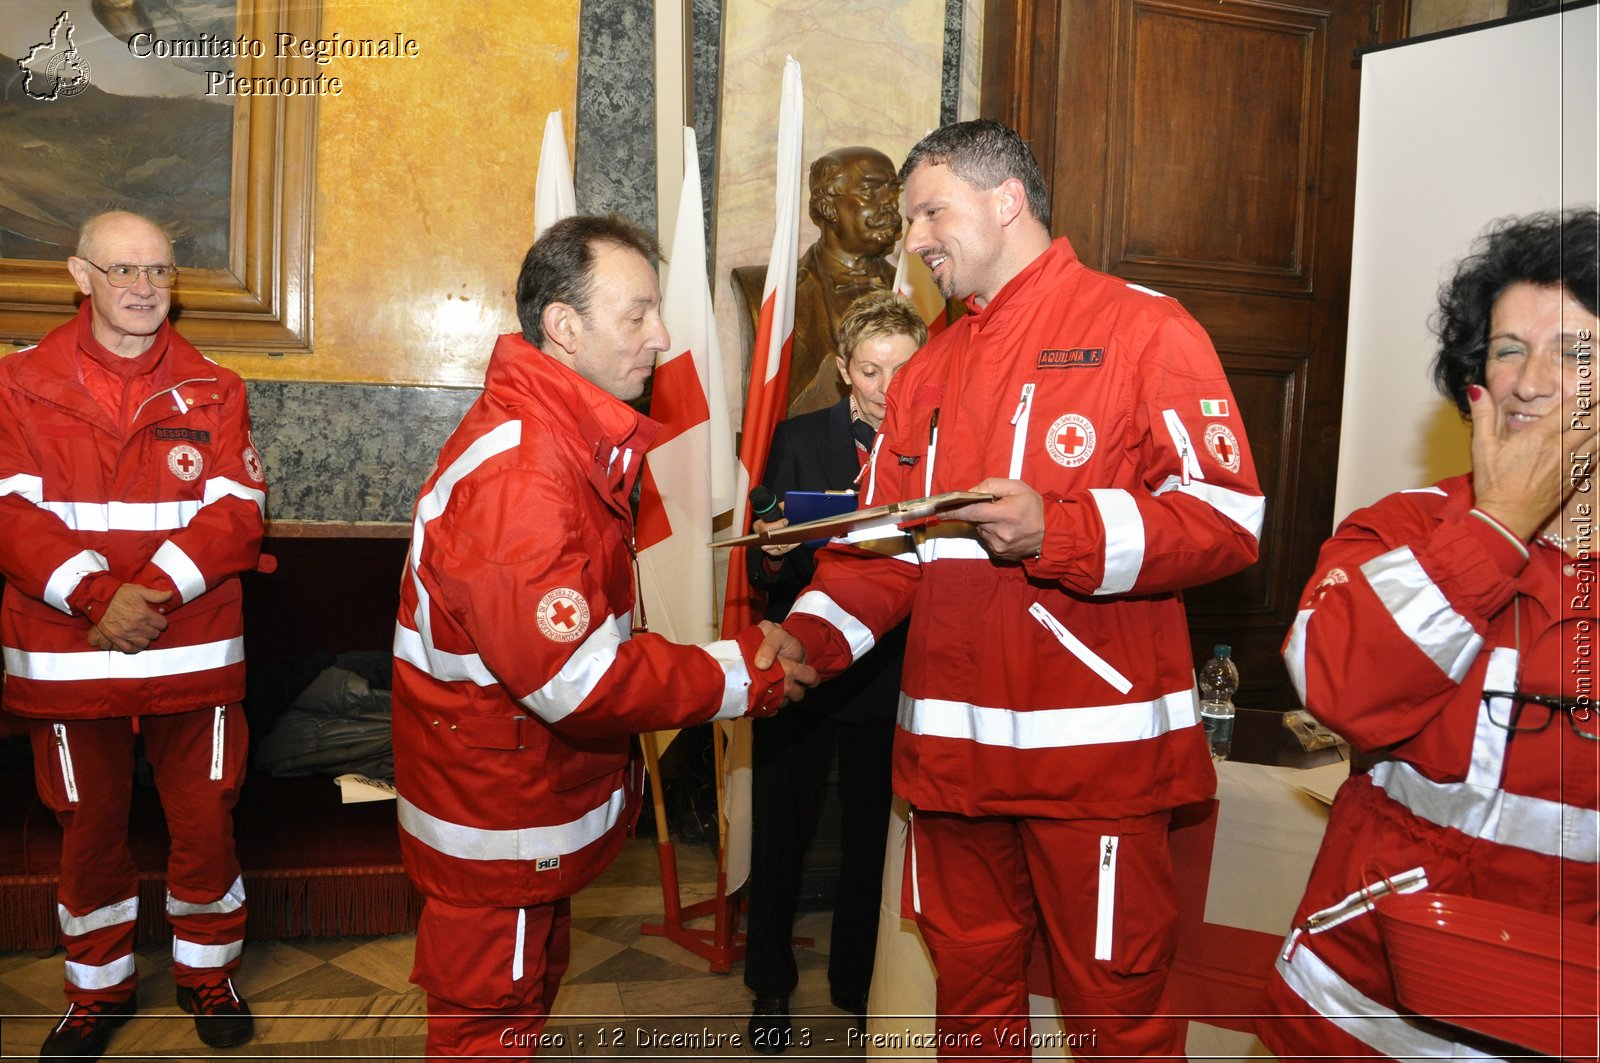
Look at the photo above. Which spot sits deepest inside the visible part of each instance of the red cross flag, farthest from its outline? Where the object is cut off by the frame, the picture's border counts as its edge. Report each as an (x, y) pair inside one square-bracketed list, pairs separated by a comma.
[(766, 402), (688, 473), (554, 197)]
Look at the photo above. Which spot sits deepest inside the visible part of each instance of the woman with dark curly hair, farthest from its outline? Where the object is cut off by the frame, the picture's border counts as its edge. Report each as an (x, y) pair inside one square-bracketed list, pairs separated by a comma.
[(1448, 633)]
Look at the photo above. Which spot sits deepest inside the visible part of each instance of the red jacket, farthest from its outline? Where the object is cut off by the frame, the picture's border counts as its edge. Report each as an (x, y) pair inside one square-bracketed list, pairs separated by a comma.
[(173, 500), (517, 678), (1061, 686), (1418, 606)]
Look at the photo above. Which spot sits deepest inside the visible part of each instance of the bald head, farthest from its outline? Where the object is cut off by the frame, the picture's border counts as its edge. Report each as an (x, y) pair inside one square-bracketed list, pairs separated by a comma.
[(125, 318), (94, 233)]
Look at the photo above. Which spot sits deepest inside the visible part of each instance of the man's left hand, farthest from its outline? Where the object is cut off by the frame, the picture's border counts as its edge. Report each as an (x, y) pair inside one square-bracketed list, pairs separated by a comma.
[(1012, 526)]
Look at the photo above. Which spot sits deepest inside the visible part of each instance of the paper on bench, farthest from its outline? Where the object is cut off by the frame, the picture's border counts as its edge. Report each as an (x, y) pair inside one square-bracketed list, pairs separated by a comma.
[(354, 788)]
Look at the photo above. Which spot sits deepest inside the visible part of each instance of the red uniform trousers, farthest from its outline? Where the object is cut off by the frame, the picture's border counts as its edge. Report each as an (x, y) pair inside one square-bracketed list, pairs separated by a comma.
[(491, 975), (975, 885), (84, 772)]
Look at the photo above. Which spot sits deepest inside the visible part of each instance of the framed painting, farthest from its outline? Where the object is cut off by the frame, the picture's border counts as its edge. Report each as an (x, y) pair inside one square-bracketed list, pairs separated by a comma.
[(147, 105)]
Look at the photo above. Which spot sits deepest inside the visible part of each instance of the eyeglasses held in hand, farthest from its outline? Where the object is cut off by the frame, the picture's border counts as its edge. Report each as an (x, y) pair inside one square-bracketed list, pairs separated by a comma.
[(1533, 712), (123, 274)]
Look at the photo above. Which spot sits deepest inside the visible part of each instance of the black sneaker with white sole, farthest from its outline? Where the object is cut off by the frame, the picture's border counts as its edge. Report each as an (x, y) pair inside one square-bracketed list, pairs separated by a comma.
[(221, 1017)]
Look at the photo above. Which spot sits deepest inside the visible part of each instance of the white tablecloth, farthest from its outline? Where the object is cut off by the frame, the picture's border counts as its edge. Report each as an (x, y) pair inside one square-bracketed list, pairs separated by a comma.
[(1266, 832)]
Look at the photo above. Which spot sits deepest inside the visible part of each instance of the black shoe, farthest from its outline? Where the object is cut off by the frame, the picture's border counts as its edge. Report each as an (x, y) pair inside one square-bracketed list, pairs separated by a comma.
[(221, 1017), (86, 1029), (769, 1025), (854, 1003)]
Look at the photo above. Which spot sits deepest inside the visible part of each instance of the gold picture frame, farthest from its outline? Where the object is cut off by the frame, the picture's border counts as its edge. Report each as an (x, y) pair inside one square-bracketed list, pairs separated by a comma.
[(262, 300)]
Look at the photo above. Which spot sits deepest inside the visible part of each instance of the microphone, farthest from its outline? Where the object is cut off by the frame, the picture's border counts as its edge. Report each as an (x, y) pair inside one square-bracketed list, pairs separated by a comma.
[(764, 504)]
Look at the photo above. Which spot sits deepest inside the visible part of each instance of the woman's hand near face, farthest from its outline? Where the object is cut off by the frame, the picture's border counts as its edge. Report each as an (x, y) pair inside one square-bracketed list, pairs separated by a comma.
[(1522, 479)]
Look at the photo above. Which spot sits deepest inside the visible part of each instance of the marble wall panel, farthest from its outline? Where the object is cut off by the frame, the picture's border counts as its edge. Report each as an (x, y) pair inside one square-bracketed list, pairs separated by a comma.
[(615, 162), (872, 75), (349, 452)]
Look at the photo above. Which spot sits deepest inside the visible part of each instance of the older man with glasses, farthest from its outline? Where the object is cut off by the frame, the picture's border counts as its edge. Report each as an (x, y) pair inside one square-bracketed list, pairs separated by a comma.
[(132, 498)]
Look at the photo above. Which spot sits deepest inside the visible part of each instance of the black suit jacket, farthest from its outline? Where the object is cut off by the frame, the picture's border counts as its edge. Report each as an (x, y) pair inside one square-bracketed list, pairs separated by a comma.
[(816, 452)]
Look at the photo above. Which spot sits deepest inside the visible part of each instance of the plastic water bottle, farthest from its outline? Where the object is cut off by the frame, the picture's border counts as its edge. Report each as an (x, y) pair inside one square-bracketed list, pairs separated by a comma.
[(1218, 681)]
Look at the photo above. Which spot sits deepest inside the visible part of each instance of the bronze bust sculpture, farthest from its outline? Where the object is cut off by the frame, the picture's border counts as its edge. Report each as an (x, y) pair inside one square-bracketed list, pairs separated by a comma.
[(855, 202)]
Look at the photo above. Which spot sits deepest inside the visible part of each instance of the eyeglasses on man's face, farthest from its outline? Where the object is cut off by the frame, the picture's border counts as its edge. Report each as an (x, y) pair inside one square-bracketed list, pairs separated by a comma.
[(123, 274), (1533, 712)]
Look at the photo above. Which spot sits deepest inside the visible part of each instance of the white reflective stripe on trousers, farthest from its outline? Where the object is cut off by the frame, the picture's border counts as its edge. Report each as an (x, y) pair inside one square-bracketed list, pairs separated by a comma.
[(104, 665), (1358, 1015), (88, 976), (1049, 728), (527, 843), (194, 954), (231, 901), (123, 911)]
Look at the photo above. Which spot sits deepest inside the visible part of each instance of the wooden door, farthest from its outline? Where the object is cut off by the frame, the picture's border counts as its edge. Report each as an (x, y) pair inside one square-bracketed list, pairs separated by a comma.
[(1207, 150)]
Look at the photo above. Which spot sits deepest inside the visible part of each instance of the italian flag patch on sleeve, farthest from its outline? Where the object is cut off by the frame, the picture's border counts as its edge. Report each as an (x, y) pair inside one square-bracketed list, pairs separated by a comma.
[(1214, 407)]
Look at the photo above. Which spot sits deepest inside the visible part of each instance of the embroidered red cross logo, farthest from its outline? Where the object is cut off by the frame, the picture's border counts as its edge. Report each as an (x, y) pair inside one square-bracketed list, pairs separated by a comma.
[(186, 462), (1224, 450), (1071, 439), (563, 613)]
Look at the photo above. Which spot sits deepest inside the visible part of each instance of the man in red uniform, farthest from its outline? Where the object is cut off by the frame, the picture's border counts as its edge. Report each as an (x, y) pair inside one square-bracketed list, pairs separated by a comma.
[(519, 674), (132, 498), (1048, 722)]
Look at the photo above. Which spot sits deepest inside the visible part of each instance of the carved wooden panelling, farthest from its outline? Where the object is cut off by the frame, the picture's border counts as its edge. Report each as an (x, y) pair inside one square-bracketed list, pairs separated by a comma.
[(1215, 110), (1266, 389)]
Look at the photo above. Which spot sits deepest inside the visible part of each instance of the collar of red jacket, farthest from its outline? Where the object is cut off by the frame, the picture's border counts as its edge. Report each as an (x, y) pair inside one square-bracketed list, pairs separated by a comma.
[(521, 372), (126, 368), (1037, 278), (50, 370)]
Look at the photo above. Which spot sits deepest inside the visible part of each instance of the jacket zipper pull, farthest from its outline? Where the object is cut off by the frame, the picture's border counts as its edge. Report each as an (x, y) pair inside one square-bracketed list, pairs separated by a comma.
[(218, 723), (1023, 403), (1105, 857), (1183, 454)]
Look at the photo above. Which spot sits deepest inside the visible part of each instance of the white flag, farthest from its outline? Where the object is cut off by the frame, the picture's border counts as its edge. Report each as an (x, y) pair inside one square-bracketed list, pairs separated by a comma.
[(688, 472), (554, 197)]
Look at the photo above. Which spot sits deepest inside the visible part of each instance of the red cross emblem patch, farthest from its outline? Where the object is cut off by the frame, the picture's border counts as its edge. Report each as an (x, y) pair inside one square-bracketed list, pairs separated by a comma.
[(1222, 444), (185, 462), (1070, 441), (252, 465), (563, 615)]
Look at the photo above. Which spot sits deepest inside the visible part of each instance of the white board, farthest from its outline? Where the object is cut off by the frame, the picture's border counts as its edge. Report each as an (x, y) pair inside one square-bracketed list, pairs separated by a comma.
[(1455, 132)]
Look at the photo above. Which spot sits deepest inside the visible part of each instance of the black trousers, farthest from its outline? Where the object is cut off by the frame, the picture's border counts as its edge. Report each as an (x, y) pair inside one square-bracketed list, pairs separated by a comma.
[(791, 754)]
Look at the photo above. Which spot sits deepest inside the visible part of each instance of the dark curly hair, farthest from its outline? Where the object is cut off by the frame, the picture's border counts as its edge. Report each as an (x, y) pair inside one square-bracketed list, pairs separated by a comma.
[(1551, 248)]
